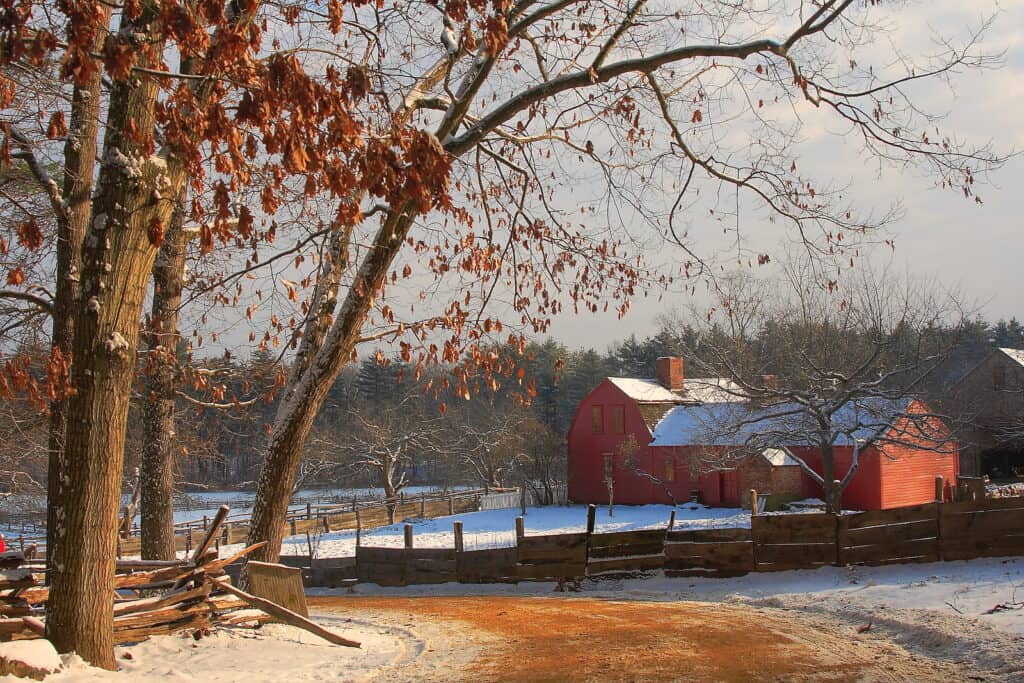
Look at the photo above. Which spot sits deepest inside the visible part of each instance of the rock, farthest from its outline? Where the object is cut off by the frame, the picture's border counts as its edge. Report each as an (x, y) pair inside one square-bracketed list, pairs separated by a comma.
[(29, 659)]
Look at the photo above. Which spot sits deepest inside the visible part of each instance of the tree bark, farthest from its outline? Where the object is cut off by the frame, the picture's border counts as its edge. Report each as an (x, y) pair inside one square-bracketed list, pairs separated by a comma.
[(158, 426), (117, 259), (828, 478), (308, 389), (79, 171)]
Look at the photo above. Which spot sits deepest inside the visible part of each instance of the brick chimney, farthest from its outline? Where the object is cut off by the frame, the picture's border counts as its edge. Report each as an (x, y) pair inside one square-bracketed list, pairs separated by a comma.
[(670, 372)]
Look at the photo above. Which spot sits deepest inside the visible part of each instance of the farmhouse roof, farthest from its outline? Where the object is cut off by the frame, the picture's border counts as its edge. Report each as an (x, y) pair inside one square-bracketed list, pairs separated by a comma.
[(696, 390), (746, 423), (1015, 354)]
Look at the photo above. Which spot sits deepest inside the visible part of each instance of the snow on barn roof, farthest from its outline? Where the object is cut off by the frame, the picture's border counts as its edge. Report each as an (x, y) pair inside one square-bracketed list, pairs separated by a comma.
[(746, 423), (646, 390), (1015, 354), (697, 389), (779, 457)]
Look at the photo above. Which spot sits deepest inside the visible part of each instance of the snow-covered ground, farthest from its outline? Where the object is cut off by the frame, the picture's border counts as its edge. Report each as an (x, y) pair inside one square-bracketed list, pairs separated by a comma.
[(973, 589), (960, 612), (496, 528), (274, 653)]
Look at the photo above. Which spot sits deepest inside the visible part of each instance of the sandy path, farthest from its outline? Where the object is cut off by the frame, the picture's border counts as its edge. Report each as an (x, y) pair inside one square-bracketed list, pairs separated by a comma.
[(506, 638)]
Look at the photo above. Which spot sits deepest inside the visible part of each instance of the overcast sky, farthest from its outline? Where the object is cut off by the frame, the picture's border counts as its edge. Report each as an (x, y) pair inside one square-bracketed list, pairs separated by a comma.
[(978, 249)]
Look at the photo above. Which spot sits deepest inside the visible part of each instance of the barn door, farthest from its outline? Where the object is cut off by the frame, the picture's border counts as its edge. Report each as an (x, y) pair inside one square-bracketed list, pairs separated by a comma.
[(731, 488)]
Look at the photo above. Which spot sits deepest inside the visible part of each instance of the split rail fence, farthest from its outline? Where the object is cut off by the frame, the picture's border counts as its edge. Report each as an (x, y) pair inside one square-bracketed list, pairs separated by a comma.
[(774, 542), (323, 519)]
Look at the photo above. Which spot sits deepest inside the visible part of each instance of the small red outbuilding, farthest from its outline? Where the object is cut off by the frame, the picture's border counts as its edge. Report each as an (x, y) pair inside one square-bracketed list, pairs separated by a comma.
[(660, 441)]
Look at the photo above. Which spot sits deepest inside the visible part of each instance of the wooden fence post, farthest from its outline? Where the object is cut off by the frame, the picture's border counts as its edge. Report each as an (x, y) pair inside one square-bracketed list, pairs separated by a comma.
[(753, 503), (205, 522), (408, 536), (457, 526), (520, 529), (451, 506), (359, 525), (671, 520), (591, 518), (309, 511), (939, 488), (423, 506)]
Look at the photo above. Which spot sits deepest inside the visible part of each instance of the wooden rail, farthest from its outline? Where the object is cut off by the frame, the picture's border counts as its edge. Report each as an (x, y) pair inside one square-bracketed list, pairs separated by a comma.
[(774, 542)]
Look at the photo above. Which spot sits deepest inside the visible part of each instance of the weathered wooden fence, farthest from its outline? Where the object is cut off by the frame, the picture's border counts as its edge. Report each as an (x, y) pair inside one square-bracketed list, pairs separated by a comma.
[(331, 518), (774, 542)]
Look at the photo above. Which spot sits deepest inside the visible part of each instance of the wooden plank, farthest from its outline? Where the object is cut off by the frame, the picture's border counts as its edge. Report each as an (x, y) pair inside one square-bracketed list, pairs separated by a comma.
[(371, 554), (970, 548), (552, 542), (11, 559), (797, 555), (628, 564), (477, 565), (926, 550), (986, 504), (627, 550), (796, 528), (915, 513), (280, 584), (894, 533), (708, 535), (286, 615), (212, 533), (551, 571), (345, 520), (238, 533), (130, 546), (307, 525), (625, 538), (381, 574), (550, 556), (711, 551), (983, 523), (445, 554)]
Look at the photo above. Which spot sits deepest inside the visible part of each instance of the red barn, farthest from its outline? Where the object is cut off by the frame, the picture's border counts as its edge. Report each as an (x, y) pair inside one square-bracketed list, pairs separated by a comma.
[(669, 439)]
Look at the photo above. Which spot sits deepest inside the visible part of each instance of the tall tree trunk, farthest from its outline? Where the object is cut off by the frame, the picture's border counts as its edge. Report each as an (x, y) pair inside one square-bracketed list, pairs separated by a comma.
[(316, 368), (79, 171), (828, 477), (117, 259), (158, 422)]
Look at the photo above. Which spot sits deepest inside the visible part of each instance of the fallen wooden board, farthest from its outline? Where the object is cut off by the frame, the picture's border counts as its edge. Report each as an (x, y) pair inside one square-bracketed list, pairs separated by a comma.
[(280, 584), (285, 615)]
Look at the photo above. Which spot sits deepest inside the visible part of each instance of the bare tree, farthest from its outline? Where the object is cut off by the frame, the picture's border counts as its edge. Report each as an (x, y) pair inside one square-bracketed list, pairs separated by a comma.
[(389, 440), (833, 366), (487, 441)]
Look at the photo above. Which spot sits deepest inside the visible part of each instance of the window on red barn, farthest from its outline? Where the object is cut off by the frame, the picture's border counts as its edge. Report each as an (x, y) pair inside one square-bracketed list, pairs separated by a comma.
[(618, 419), (597, 419), (670, 469)]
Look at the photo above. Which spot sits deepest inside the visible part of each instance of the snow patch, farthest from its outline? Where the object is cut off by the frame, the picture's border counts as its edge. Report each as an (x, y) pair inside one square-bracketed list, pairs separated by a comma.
[(31, 658)]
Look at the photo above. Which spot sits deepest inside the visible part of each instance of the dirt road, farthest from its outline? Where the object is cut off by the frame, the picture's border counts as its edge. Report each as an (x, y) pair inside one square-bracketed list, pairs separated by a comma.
[(511, 638)]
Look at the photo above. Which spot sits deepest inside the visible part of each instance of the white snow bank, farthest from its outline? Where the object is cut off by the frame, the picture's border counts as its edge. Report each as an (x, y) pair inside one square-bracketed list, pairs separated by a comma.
[(34, 658), (275, 652)]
